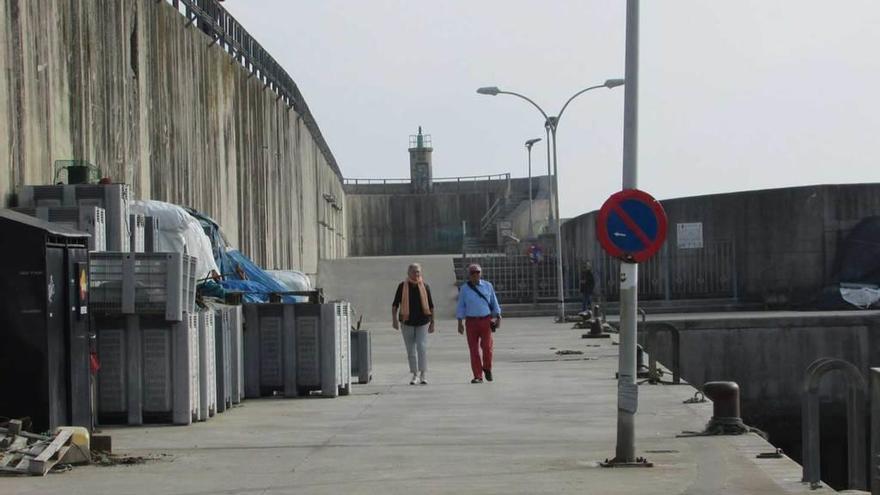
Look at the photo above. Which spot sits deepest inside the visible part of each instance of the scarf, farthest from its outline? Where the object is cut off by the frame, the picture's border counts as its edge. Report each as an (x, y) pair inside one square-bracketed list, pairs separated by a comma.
[(404, 298)]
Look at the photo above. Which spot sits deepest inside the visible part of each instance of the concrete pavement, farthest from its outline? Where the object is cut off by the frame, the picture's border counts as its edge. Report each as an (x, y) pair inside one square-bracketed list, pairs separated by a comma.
[(540, 427)]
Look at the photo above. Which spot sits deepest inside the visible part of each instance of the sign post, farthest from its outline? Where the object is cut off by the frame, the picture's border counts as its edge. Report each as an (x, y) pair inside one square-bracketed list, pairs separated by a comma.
[(630, 233), (631, 226)]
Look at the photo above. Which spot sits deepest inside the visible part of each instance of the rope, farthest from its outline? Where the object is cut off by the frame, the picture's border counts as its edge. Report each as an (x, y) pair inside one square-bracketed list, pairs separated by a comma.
[(724, 426)]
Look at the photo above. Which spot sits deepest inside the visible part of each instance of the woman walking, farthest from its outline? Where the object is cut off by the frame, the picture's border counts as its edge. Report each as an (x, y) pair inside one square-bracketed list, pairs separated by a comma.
[(414, 308)]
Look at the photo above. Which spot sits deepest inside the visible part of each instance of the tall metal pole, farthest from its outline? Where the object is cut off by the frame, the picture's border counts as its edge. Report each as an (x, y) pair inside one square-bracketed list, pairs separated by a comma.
[(531, 234), (627, 390), (560, 283), (549, 173), (529, 147)]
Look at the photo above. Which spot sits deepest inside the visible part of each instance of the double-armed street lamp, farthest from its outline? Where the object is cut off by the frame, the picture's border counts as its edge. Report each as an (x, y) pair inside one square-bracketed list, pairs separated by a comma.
[(529, 144), (551, 123)]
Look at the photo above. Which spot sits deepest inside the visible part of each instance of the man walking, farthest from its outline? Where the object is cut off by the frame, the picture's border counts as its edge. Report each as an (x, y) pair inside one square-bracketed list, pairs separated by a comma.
[(588, 285), (478, 309)]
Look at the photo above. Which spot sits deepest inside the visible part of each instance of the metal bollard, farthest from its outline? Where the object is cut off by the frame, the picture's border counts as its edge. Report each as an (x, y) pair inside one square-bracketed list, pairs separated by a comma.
[(725, 400)]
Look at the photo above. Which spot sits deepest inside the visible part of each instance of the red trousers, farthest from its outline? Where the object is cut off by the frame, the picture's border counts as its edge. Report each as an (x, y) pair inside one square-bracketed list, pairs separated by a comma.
[(479, 336)]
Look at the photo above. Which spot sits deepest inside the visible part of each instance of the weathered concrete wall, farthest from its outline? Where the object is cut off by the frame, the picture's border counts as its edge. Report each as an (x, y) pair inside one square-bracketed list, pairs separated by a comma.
[(125, 85), (388, 219), (399, 224), (780, 245)]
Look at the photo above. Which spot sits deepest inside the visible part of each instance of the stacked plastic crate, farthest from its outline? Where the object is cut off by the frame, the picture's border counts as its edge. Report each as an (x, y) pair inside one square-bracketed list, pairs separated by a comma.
[(113, 198), (207, 366), (91, 219), (143, 309), (227, 344), (297, 349)]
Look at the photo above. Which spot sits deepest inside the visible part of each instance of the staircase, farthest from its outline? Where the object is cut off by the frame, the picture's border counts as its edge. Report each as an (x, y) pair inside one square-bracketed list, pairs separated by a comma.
[(500, 210)]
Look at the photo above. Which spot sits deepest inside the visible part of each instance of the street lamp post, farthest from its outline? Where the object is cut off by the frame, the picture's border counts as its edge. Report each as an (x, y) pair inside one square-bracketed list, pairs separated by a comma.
[(529, 144), (550, 126)]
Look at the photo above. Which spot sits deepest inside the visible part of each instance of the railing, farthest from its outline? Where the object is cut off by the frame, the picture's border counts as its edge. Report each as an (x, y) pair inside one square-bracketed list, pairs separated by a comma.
[(491, 214), (697, 273), (855, 421), (651, 331), (467, 178), (516, 278), (224, 30), (875, 431)]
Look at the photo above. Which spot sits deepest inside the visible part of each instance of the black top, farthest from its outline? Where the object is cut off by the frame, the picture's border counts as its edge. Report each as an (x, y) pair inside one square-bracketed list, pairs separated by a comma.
[(588, 282), (417, 316)]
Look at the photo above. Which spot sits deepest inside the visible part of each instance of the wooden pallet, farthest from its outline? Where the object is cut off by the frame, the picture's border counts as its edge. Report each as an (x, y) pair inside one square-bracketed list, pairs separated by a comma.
[(28, 453)]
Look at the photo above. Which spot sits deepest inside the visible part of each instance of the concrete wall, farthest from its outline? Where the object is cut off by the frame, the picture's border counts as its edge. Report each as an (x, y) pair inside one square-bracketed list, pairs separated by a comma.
[(126, 86), (768, 354), (776, 246), (388, 220), (398, 224)]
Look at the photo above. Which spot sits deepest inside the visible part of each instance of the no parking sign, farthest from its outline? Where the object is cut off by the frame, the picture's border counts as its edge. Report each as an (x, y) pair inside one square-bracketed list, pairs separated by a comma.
[(631, 225)]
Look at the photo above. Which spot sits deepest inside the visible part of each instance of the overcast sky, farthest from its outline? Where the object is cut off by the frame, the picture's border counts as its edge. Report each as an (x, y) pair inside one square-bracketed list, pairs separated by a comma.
[(734, 95)]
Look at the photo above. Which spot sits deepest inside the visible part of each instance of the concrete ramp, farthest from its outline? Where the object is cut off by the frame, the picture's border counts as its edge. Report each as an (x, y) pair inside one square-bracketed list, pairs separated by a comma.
[(369, 283)]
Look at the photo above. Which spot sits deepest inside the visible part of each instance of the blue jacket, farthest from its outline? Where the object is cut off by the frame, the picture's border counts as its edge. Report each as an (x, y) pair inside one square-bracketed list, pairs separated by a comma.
[(472, 305)]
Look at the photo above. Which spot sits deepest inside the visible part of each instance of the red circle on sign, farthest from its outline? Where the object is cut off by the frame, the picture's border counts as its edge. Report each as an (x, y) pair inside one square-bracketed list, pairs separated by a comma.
[(613, 205)]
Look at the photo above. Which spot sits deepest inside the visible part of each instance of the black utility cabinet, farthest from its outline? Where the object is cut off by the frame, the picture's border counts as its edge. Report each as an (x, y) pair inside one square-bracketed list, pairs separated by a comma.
[(44, 322)]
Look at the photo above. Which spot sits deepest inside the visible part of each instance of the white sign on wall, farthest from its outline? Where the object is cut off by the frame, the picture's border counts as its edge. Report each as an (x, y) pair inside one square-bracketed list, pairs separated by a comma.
[(690, 235)]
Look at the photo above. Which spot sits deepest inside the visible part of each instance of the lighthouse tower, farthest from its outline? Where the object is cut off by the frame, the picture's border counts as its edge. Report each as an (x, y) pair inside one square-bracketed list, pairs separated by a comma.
[(420, 173)]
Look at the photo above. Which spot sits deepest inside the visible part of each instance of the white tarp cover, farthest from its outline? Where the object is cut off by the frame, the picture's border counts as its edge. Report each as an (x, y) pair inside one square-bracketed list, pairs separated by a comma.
[(860, 296), (179, 232), (292, 279)]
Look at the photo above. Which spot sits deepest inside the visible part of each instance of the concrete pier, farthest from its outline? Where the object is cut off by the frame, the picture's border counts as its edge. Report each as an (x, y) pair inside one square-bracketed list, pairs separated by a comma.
[(541, 427)]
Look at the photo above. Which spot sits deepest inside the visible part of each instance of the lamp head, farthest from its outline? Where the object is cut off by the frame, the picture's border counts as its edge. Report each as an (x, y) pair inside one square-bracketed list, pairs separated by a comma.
[(531, 142), (489, 90), (613, 83)]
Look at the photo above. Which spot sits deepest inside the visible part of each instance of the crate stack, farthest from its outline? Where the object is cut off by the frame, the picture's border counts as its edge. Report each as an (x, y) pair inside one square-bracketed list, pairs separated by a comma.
[(113, 198), (207, 366), (148, 337), (74, 206), (297, 349), (228, 347), (91, 219)]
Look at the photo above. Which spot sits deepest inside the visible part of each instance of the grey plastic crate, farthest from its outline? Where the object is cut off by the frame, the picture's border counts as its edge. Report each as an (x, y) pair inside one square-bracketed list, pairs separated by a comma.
[(142, 283), (145, 370), (207, 366), (361, 356), (192, 321), (114, 198), (296, 349), (189, 299), (89, 219), (136, 226), (224, 355), (236, 349), (151, 234), (266, 328)]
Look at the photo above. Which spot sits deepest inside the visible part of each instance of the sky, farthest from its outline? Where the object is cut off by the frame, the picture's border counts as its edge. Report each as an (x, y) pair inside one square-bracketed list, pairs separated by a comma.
[(733, 94)]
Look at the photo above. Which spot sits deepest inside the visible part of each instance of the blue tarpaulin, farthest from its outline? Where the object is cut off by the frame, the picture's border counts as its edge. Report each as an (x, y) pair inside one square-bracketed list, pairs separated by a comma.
[(258, 284)]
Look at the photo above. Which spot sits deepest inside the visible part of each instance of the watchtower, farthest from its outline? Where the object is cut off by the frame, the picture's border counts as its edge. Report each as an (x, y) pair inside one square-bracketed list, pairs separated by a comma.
[(420, 172)]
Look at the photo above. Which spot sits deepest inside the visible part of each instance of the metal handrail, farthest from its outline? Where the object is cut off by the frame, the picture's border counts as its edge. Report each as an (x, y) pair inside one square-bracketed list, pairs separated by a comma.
[(490, 214), (227, 32), (875, 431), (652, 329), (397, 180), (855, 416)]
